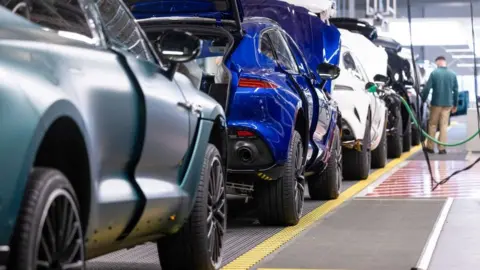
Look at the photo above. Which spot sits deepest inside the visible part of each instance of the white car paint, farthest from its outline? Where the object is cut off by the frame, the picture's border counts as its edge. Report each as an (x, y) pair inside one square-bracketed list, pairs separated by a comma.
[(349, 90)]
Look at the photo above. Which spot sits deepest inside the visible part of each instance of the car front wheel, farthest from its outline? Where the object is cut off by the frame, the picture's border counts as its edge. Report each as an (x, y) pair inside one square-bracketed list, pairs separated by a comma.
[(48, 233), (356, 164), (327, 185), (199, 244)]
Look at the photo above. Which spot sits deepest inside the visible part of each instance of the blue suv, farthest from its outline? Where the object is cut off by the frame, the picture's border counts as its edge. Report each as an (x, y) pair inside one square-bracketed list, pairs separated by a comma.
[(281, 124)]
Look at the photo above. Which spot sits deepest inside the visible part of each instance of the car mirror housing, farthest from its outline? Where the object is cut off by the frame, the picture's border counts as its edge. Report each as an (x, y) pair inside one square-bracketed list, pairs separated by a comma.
[(408, 83), (379, 78), (328, 71), (178, 46), (371, 87)]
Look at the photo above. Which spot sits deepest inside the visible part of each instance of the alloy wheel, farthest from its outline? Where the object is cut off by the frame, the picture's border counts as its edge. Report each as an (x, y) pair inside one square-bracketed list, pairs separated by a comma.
[(299, 179), (339, 164), (216, 215), (60, 243)]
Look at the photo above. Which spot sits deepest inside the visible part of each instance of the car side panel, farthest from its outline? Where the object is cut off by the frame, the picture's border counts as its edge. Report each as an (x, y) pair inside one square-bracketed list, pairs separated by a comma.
[(101, 87), (89, 86), (164, 148)]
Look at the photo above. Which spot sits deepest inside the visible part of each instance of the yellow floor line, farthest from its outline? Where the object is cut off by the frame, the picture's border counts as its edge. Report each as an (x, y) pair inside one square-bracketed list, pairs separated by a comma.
[(295, 269), (256, 254)]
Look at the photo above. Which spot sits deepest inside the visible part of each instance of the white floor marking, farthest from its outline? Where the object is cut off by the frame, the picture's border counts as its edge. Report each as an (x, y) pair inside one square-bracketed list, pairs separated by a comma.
[(427, 253)]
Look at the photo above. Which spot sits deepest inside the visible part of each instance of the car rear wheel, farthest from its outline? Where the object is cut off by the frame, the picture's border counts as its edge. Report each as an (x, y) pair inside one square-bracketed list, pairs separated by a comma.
[(280, 202), (395, 140), (48, 233), (356, 164), (199, 243), (415, 135), (407, 137), (327, 185)]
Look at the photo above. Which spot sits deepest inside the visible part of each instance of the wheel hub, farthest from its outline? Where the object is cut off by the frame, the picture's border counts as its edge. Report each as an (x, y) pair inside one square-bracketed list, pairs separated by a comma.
[(60, 243), (216, 214)]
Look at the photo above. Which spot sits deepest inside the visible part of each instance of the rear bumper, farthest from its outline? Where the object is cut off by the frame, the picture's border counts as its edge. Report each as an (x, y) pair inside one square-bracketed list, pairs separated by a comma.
[(267, 174), (4, 252)]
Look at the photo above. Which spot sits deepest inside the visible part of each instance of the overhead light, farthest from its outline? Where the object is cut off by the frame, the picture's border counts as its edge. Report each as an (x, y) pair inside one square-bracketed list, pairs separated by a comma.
[(463, 56), (466, 65), (458, 50)]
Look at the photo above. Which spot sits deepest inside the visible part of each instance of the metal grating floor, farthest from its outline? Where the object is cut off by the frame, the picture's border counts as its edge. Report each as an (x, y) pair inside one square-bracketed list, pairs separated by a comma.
[(243, 234)]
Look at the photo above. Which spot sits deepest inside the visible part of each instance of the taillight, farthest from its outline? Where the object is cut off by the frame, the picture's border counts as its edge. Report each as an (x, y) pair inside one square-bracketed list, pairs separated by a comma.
[(245, 133), (255, 83)]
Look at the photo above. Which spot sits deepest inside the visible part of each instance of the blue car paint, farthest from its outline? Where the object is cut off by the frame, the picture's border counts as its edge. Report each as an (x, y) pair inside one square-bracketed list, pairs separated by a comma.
[(270, 113), (318, 41), (184, 8)]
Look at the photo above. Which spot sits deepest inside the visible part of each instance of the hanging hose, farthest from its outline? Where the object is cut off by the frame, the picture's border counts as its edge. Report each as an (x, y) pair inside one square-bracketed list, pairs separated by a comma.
[(410, 112), (424, 134)]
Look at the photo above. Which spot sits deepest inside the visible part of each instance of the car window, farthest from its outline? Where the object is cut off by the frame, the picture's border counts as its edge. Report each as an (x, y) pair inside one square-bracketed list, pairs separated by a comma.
[(282, 51), (57, 15), (350, 66), (122, 30), (298, 57), (266, 47)]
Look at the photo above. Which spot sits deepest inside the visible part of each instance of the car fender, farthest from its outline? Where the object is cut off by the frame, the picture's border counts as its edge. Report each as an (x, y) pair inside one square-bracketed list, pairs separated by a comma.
[(25, 118), (353, 106)]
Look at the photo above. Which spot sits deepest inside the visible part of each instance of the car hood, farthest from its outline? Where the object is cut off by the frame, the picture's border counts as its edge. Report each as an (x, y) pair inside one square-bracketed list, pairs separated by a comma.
[(230, 10)]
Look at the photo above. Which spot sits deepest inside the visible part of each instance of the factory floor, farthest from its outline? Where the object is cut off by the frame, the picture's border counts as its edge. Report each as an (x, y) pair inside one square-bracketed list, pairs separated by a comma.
[(392, 220)]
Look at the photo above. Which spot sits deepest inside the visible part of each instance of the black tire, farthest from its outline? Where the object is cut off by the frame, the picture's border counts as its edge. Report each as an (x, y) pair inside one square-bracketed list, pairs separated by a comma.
[(379, 155), (395, 141), (356, 164), (415, 135), (48, 199), (328, 184), (189, 248), (280, 202), (407, 137)]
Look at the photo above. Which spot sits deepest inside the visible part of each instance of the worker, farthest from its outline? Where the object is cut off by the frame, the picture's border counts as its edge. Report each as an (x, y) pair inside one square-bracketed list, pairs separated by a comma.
[(444, 85)]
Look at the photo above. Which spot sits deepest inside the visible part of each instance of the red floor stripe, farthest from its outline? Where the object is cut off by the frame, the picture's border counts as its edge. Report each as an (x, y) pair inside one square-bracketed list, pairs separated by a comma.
[(413, 180)]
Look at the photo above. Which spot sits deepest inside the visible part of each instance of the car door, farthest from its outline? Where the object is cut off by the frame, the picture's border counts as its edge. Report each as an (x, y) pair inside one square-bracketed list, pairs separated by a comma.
[(165, 123), (288, 66), (321, 105)]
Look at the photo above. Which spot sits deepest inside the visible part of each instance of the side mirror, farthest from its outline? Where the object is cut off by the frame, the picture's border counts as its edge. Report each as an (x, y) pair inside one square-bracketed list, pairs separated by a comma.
[(371, 87), (408, 83), (178, 46), (328, 71), (381, 78)]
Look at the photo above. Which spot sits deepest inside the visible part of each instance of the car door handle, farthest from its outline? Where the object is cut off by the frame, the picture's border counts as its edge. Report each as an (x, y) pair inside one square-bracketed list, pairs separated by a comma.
[(186, 105)]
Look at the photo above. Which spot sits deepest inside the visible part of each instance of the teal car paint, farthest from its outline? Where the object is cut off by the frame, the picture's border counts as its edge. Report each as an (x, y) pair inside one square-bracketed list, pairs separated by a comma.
[(134, 141)]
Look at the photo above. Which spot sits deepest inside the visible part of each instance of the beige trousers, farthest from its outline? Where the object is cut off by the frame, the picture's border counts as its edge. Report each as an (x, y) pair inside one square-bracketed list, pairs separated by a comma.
[(438, 116)]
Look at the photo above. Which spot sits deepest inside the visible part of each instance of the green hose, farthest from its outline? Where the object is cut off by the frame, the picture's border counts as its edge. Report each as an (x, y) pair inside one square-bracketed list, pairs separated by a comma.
[(410, 112)]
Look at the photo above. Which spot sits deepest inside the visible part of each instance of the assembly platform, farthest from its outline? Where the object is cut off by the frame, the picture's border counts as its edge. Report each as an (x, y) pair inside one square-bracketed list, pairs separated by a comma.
[(390, 221)]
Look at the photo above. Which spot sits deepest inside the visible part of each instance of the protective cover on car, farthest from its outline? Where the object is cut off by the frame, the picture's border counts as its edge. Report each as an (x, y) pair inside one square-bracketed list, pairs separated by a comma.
[(356, 26), (374, 59), (388, 43), (218, 9), (318, 41)]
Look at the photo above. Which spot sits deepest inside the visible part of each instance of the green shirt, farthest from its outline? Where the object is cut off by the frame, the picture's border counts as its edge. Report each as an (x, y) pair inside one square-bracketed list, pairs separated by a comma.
[(444, 84)]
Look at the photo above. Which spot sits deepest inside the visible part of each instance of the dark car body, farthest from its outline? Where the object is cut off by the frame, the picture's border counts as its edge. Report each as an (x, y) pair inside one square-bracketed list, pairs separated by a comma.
[(100, 107)]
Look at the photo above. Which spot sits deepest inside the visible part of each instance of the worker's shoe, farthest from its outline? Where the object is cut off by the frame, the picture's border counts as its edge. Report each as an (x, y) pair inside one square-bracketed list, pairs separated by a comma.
[(442, 152), (430, 151)]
